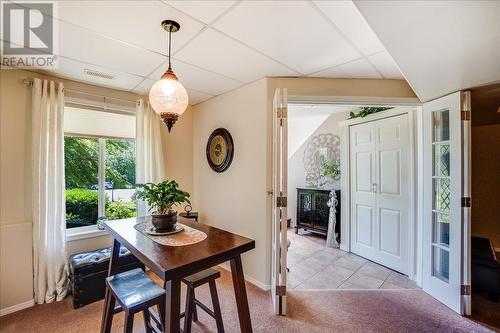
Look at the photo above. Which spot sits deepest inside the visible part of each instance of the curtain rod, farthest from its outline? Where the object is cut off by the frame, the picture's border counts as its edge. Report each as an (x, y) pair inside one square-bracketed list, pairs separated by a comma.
[(29, 82)]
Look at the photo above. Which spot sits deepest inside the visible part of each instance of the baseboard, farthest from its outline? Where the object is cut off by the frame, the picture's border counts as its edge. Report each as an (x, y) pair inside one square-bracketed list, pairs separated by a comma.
[(17, 307), (248, 278)]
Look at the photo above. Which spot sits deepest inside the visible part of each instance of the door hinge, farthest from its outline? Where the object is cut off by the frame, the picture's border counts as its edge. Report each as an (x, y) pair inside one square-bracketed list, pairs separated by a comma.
[(465, 115), (465, 289), (281, 201), (466, 202), (281, 290), (282, 112)]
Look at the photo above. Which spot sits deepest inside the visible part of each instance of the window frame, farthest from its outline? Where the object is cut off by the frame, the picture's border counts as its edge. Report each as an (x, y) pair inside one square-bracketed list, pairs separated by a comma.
[(92, 231)]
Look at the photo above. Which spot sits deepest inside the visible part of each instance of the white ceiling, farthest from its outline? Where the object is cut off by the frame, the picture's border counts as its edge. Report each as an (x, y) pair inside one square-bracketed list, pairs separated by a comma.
[(221, 44), (440, 46), (305, 119)]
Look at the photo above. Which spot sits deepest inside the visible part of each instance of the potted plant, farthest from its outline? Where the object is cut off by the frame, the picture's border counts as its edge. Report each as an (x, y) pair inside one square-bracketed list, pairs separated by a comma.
[(331, 169), (162, 197)]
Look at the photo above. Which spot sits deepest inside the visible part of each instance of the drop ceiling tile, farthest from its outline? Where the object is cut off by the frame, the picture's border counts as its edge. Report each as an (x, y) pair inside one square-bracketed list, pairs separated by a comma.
[(144, 87), (197, 78), (195, 97), (205, 11), (81, 44), (218, 53), (292, 32), (349, 20), (75, 70), (358, 69), (384, 63), (135, 22)]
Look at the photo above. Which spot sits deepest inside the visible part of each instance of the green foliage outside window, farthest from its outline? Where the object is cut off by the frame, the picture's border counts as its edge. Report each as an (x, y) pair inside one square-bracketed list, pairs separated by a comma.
[(81, 206), (81, 177), (120, 210), (81, 156), (120, 163), (81, 161)]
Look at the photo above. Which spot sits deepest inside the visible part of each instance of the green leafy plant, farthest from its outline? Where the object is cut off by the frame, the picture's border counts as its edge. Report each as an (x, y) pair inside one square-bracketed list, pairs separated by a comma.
[(120, 210), (365, 111), (81, 205), (331, 169), (162, 196)]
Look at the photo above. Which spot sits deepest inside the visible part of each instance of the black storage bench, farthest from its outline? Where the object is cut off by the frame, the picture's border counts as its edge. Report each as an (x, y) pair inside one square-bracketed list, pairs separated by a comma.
[(485, 268), (88, 270)]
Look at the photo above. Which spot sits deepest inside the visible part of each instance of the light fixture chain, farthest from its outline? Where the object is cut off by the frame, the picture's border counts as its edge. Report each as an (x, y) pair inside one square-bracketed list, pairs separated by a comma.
[(169, 46)]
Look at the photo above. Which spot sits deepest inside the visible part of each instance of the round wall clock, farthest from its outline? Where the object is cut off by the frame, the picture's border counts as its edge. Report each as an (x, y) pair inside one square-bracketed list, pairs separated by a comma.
[(220, 150)]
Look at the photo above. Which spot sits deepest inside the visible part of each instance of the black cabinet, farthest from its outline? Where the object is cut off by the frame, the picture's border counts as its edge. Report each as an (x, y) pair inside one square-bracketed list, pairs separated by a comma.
[(313, 211)]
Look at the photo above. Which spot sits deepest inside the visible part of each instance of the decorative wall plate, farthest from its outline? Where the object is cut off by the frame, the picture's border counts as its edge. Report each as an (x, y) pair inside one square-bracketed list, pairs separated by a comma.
[(220, 150)]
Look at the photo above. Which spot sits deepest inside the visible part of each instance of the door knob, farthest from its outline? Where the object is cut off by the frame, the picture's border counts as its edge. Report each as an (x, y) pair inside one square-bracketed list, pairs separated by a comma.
[(374, 187)]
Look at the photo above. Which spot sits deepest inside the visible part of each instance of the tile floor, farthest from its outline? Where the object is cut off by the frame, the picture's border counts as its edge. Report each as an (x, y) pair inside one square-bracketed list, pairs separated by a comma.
[(314, 266)]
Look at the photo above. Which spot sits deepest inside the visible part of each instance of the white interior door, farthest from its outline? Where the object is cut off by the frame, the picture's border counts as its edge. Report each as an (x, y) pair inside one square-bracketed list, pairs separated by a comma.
[(380, 185), (446, 223), (280, 168), (363, 197)]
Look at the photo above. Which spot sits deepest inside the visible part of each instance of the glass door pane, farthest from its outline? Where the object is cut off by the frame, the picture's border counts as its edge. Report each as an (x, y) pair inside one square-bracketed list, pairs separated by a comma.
[(441, 194)]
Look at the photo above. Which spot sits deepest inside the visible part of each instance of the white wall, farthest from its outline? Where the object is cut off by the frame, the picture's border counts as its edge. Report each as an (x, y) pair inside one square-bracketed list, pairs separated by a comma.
[(296, 170), (235, 200)]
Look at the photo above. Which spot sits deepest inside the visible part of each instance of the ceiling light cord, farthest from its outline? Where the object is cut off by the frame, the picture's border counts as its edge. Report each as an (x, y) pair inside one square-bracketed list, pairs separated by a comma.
[(169, 47)]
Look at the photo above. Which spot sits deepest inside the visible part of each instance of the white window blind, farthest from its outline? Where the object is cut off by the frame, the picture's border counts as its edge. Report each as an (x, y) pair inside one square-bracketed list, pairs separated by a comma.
[(79, 121)]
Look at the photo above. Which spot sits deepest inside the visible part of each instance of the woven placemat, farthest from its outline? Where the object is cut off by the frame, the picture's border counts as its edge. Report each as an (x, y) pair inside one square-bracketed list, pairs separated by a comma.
[(188, 236)]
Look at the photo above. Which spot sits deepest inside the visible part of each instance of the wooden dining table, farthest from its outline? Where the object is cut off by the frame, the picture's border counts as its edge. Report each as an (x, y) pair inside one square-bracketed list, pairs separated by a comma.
[(173, 263)]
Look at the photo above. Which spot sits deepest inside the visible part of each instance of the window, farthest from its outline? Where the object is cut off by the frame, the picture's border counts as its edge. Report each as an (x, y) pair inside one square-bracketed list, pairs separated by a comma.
[(99, 157), (89, 196)]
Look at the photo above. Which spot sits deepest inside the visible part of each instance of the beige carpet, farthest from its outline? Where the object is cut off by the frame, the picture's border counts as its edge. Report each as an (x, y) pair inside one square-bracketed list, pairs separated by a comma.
[(309, 311)]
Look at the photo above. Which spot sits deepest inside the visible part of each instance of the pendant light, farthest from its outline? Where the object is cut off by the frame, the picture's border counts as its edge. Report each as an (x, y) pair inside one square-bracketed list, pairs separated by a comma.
[(167, 96)]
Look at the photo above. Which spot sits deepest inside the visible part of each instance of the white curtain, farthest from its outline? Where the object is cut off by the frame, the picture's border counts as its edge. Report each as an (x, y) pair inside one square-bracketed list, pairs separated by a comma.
[(49, 225), (150, 166)]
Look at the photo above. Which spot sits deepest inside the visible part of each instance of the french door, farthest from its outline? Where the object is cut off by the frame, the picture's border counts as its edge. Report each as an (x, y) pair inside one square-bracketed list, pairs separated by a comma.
[(380, 191), (446, 227), (280, 167)]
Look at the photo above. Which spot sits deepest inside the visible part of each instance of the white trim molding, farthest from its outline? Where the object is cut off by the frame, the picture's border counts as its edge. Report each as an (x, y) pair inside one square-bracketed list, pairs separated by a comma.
[(90, 231), (17, 307), (248, 278)]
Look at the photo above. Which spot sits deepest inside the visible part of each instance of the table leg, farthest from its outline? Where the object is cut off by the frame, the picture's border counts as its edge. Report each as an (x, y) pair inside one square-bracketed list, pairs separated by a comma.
[(113, 264), (172, 306), (241, 295)]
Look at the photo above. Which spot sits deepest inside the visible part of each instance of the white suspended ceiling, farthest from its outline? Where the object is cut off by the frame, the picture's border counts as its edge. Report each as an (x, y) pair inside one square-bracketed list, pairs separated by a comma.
[(221, 44), (440, 46)]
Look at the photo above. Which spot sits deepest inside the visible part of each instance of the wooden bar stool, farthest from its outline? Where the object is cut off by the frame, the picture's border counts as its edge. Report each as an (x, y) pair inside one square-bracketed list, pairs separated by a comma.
[(207, 276), (135, 292)]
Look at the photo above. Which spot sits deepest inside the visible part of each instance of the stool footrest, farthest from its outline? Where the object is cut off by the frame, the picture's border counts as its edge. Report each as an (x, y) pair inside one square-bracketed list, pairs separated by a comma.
[(205, 308), (155, 317)]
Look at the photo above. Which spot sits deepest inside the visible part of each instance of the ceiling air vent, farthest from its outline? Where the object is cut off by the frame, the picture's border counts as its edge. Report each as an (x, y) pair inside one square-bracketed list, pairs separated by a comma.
[(98, 74)]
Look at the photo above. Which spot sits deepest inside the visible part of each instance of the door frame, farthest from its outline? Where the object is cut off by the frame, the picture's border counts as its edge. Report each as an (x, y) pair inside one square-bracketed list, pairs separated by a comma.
[(414, 245), (416, 138)]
